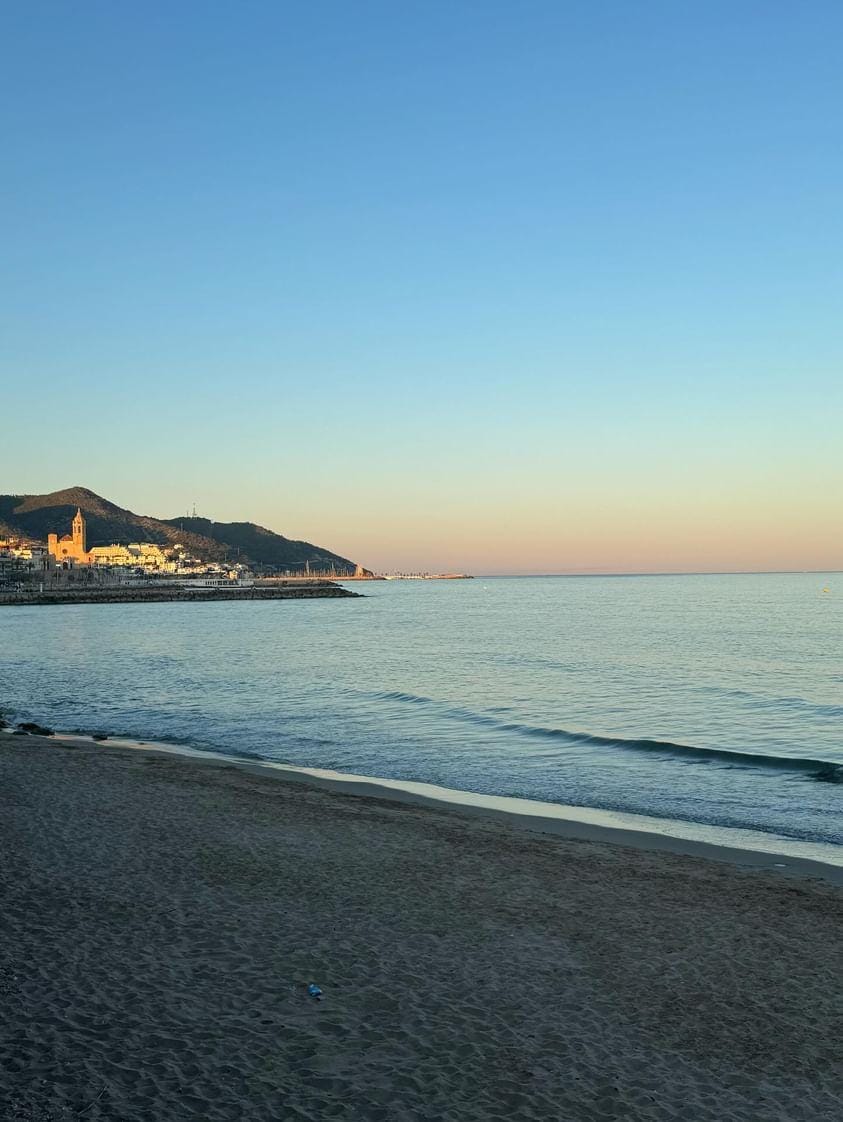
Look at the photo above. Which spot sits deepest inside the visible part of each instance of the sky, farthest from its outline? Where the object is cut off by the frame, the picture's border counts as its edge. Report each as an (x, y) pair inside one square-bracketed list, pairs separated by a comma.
[(496, 287)]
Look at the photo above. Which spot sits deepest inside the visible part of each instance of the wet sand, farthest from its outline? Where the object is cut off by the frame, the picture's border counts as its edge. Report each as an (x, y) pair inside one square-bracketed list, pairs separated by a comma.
[(160, 920)]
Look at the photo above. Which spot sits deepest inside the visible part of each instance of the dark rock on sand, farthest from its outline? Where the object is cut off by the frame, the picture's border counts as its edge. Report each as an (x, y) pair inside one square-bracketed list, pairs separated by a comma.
[(36, 730)]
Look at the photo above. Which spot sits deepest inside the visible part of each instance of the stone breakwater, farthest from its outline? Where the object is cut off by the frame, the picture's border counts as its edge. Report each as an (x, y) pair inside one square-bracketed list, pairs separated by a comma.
[(158, 595)]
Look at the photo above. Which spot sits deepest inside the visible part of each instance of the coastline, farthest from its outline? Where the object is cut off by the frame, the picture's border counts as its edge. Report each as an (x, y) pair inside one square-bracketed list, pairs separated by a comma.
[(164, 915), (747, 848)]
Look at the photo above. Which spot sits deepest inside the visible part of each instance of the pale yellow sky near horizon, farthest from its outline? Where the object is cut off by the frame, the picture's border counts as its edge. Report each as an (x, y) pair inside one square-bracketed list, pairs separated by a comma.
[(585, 504), (428, 526), (408, 529)]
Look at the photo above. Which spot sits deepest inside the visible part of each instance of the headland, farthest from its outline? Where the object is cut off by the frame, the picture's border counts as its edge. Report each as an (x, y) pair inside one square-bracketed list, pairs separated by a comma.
[(37, 557)]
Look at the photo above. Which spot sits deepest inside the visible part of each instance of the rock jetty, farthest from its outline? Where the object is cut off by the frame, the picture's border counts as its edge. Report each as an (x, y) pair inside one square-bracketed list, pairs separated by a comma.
[(146, 595)]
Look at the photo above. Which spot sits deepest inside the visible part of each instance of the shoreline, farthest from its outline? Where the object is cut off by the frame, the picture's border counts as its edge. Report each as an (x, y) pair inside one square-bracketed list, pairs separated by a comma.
[(164, 916), (745, 848)]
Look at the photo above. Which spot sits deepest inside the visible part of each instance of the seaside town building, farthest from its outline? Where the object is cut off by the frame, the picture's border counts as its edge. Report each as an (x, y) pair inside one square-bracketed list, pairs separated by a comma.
[(132, 562), (145, 555), (21, 559), (70, 549), (25, 551)]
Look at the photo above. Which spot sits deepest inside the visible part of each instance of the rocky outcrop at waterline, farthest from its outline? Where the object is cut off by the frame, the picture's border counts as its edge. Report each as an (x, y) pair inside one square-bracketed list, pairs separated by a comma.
[(120, 595)]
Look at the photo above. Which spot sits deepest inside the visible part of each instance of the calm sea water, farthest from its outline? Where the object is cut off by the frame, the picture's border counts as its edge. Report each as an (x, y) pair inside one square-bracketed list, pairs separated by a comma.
[(713, 699)]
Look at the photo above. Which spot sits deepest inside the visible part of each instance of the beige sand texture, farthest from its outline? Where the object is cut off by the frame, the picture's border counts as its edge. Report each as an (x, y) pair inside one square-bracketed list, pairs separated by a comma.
[(160, 921)]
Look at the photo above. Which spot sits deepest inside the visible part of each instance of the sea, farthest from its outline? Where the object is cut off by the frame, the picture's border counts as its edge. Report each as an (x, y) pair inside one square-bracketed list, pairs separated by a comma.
[(713, 700)]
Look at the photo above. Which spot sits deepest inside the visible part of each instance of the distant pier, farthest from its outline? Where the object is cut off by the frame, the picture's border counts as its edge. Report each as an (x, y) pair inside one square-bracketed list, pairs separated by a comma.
[(332, 575), (427, 576)]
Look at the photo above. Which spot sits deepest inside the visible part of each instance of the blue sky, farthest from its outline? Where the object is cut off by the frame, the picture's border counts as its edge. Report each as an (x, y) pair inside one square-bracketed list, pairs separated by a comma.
[(544, 286)]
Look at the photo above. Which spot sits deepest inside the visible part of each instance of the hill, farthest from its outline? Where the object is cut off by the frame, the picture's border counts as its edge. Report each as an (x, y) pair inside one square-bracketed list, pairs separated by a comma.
[(36, 516)]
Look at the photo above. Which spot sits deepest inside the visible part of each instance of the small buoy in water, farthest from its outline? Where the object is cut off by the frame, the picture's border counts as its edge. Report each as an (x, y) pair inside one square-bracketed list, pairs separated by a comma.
[(314, 991)]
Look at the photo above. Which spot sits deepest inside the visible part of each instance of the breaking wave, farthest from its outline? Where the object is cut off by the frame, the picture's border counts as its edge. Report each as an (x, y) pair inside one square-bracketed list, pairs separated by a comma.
[(823, 771)]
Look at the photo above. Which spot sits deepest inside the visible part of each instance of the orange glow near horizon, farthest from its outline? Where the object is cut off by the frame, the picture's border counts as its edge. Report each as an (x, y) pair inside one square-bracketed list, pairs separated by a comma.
[(609, 537)]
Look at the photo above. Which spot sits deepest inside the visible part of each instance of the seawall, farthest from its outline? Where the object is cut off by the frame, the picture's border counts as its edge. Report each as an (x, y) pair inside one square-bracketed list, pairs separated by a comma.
[(159, 595)]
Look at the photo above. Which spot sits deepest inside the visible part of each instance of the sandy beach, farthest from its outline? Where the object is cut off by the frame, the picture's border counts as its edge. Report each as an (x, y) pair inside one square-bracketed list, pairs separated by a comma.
[(160, 921)]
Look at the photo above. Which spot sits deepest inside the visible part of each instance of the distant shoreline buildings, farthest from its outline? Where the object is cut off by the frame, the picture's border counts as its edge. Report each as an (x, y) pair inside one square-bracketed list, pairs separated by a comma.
[(68, 558), (69, 552), (72, 549)]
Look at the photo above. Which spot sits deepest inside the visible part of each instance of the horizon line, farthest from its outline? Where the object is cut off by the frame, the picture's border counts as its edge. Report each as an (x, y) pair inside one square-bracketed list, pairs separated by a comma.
[(666, 573)]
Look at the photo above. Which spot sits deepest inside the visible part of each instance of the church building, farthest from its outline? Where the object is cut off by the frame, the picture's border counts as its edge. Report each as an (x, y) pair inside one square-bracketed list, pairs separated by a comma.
[(71, 549)]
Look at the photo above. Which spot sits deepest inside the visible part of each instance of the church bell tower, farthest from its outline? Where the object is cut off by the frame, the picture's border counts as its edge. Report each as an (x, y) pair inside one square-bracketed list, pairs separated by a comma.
[(79, 533)]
